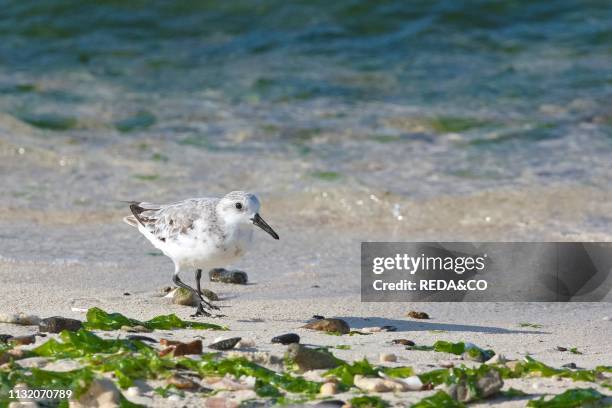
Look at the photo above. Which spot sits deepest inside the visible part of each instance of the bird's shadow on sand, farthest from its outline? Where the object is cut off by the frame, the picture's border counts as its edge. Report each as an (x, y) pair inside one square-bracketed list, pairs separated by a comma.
[(357, 323)]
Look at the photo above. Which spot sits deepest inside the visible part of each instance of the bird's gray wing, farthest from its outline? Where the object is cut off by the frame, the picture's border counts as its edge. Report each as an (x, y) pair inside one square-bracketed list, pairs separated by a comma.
[(167, 222)]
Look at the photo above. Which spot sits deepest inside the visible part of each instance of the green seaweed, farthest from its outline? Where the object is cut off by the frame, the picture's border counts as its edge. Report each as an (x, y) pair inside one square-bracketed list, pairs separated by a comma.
[(452, 124), (533, 325), (267, 382), (574, 350), (420, 348), (343, 347), (49, 121), (101, 320), (326, 175), (345, 372), (84, 343), (368, 401), (140, 120), (460, 348), (576, 397), (146, 177), (439, 400), (513, 393), (533, 367)]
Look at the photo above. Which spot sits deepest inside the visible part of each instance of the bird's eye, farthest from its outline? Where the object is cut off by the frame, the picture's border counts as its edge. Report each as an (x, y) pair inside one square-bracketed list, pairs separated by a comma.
[(239, 206)]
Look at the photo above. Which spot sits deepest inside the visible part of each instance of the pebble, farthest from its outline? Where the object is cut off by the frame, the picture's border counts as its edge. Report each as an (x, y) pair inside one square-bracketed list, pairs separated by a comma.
[(246, 343), (178, 348), (387, 358), (318, 317), (184, 297), (329, 325), (378, 329), (486, 386), (101, 393), (141, 338), (224, 276), (182, 383), (57, 324), (19, 318), (403, 342), (331, 404), (417, 315), (329, 388), (23, 340), (379, 384), (446, 364), (132, 392), (309, 359), (225, 344), (412, 383), (559, 348), (573, 366), (210, 294), (287, 338)]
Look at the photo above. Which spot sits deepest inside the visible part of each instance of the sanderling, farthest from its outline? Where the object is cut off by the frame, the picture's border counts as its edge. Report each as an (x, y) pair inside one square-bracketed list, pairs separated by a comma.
[(200, 233)]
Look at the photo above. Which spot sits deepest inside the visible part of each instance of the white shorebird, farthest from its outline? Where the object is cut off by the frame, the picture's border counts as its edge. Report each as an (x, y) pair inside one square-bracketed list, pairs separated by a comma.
[(200, 233)]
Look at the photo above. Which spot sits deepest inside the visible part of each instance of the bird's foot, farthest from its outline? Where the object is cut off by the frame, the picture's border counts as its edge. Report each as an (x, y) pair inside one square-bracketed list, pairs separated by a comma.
[(208, 304), (201, 311)]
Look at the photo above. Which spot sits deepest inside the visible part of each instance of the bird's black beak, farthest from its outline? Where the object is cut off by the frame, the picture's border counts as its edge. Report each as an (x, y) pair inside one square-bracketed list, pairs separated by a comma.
[(257, 220)]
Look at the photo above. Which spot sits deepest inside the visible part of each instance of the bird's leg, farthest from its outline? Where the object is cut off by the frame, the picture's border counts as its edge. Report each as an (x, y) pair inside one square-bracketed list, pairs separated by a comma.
[(200, 309), (198, 278)]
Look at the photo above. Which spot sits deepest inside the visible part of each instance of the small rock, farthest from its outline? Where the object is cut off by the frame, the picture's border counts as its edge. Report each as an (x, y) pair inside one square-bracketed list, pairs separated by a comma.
[(132, 392), (178, 348), (331, 404), (246, 343), (486, 386), (181, 382), (318, 317), (101, 393), (403, 342), (387, 358), (329, 388), (417, 315), (12, 354), (308, 359), (19, 318), (446, 364), (559, 348), (23, 340), (220, 402), (185, 297), (127, 294), (57, 324), (225, 344), (496, 359), (573, 366), (141, 338), (30, 362), (224, 276), (378, 329), (378, 384), (286, 338), (329, 325), (210, 294), (412, 383)]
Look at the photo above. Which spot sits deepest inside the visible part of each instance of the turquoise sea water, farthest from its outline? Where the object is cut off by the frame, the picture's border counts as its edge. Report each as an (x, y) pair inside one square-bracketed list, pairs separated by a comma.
[(417, 98)]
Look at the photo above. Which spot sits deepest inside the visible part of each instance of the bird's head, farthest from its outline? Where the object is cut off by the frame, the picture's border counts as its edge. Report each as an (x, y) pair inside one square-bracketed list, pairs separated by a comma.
[(239, 207)]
